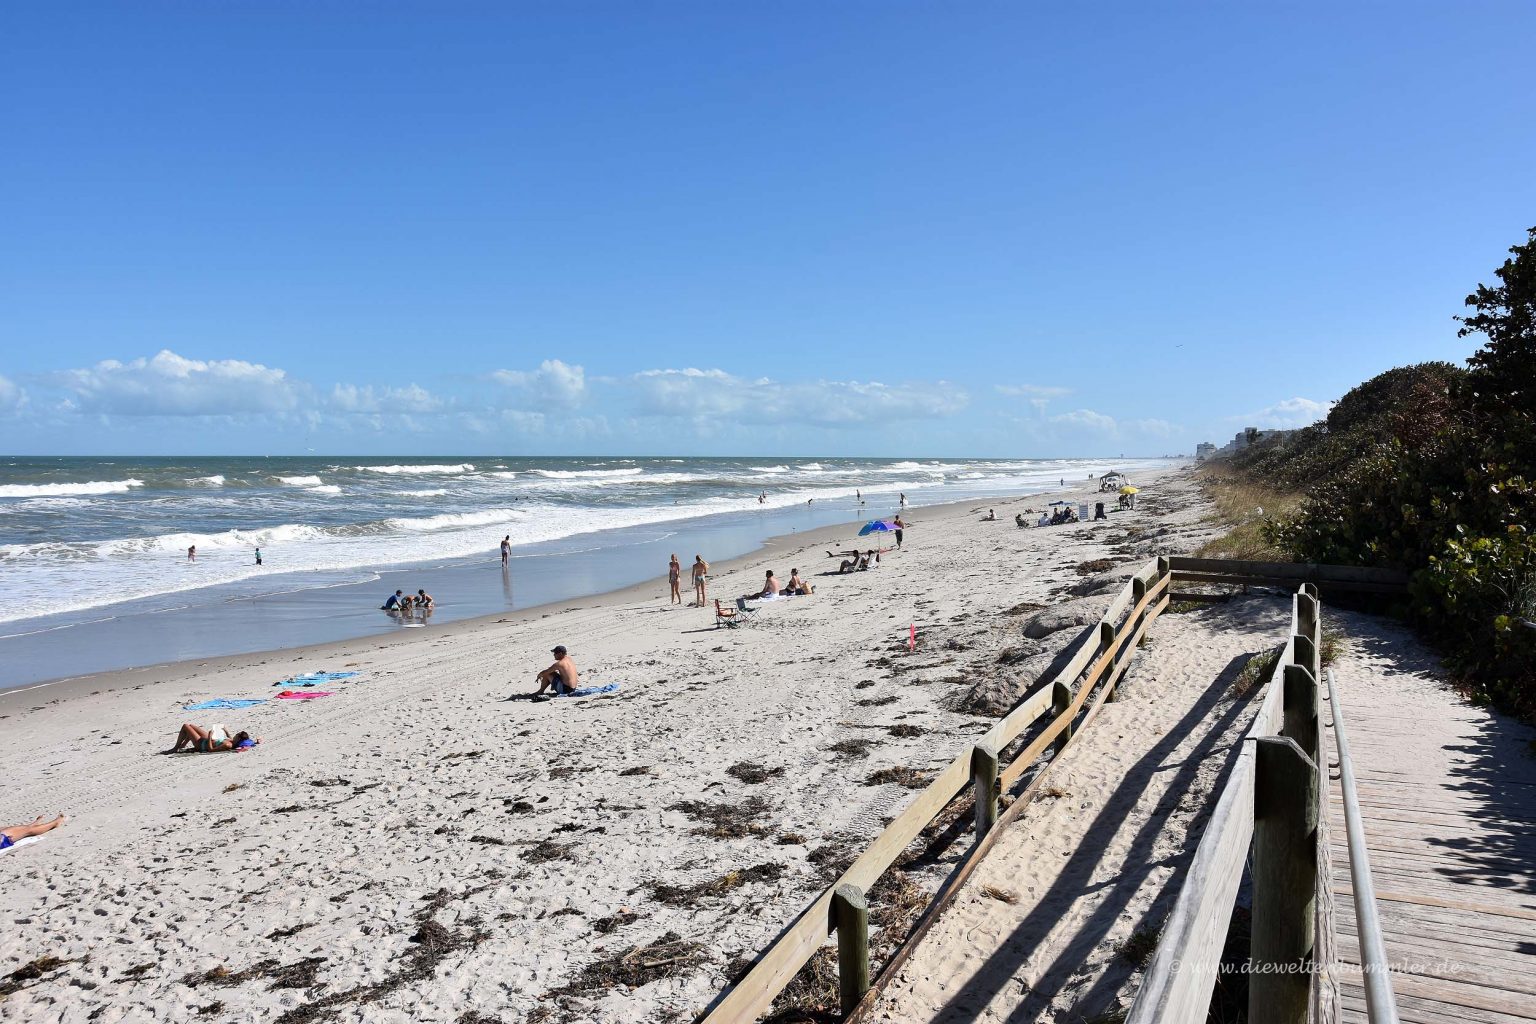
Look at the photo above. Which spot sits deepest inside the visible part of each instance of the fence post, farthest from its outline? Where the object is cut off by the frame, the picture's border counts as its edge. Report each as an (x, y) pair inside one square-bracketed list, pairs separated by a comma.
[(850, 910), (1285, 813), (1107, 643), (1299, 704), (1061, 700), (1307, 614), (1306, 655), (984, 785)]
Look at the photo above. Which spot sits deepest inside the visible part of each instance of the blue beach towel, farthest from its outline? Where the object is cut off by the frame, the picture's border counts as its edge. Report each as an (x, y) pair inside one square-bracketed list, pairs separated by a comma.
[(220, 704), (314, 678), (592, 691)]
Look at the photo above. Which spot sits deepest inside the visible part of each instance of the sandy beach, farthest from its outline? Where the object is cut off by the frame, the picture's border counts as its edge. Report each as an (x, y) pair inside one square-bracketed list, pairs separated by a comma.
[(417, 847)]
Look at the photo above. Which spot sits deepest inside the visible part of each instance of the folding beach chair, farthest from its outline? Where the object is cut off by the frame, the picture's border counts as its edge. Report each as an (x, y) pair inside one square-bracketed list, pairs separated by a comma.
[(727, 616), (744, 611)]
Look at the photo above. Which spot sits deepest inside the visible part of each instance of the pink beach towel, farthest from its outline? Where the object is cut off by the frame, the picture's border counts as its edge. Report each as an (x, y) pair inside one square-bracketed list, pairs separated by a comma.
[(306, 695)]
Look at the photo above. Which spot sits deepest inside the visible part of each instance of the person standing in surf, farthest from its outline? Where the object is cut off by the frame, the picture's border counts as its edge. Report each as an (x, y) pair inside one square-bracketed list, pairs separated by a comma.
[(258, 556), (506, 549)]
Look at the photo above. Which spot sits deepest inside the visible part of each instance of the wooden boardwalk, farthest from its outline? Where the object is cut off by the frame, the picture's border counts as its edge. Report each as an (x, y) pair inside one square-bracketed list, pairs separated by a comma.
[(1448, 798)]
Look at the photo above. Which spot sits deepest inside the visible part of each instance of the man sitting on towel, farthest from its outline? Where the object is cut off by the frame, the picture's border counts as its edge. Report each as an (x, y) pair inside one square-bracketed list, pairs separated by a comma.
[(561, 677)]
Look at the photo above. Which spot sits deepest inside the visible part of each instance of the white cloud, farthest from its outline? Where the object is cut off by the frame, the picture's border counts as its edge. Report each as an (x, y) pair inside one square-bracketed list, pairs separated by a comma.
[(1152, 427), (1087, 419), (553, 382), (1032, 391), (171, 385), (387, 400), (1293, 412), (703, 394), (12, 398)]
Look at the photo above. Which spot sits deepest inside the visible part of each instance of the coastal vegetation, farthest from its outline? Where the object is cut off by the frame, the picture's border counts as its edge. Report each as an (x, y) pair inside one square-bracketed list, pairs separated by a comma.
[(1431, 468)]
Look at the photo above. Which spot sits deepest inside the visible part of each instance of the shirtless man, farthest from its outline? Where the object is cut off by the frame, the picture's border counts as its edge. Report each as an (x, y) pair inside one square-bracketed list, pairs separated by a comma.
[(561, 677), (424, 600), (770, 586)]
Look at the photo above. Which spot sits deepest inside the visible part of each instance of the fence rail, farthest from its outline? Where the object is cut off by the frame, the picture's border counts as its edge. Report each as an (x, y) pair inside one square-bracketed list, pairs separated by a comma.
[(1271, 816), (1088, 680)]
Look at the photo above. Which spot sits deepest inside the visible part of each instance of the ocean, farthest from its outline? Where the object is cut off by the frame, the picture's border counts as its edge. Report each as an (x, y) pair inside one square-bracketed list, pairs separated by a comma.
[(90, 541)]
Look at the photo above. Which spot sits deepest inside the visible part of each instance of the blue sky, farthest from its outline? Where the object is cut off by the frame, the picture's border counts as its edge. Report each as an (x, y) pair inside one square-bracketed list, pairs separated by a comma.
[(863, 229)]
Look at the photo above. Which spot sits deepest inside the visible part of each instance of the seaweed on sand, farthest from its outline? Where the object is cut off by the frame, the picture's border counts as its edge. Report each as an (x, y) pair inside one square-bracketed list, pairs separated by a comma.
[(687, 895), (728, 820), (635, 966), (751, 773)]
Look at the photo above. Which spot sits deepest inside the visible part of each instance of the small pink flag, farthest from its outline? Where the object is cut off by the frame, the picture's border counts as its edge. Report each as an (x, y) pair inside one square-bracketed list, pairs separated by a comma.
[(912, 638)]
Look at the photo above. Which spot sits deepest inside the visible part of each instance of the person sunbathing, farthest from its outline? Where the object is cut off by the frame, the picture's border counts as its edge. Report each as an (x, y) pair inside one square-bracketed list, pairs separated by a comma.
[(211, 740), (13, 834), (796, 585), (850, 564), (770, 587)]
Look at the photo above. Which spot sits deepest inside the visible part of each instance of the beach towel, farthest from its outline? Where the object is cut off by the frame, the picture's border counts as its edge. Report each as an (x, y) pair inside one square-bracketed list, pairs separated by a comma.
[(18, 844), (222, 704), (592, 691), (290, 695), (311, 678)]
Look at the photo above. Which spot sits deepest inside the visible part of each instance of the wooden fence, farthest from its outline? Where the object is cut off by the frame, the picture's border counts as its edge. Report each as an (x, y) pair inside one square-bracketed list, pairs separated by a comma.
[(1079, 689)]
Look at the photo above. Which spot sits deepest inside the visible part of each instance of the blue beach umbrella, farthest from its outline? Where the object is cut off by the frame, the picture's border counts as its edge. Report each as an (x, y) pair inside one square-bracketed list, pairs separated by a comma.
[(874, 526)]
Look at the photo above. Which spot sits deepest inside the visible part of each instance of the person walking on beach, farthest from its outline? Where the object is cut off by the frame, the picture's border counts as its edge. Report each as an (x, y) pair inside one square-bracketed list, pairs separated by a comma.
[(700, 575), (562, 676), (903, 499), (899, 525), (13, 834), (675, 580), (506, 549)]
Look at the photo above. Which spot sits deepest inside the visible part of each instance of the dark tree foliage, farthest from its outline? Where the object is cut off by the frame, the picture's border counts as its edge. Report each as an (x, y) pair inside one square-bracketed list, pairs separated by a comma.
[(1432, 469)]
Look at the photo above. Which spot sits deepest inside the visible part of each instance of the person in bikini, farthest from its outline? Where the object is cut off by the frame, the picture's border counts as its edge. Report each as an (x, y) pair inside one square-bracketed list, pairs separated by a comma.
[(561, 677), (700, 576), (796, 585), (208, 740), (675, 579)]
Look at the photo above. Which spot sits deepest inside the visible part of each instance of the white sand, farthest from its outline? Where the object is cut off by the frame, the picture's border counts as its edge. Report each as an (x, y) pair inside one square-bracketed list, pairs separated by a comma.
[(417, 777)]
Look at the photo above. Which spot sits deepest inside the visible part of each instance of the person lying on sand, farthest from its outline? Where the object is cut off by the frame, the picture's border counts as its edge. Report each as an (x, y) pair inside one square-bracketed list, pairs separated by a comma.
[(561, 677), (13, 834), (211, 740)]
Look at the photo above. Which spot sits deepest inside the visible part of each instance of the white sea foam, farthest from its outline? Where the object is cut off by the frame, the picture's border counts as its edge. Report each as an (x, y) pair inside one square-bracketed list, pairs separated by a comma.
[(300, 481), (584, 474), (463, 467), (325, 489), (217, 480), (428, 493), (769, 469), (811, 467), (92, 487)]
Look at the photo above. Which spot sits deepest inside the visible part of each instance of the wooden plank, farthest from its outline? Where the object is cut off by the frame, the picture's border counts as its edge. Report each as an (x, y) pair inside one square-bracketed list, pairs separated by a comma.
[(1480, 965), (1280, 582), (1196, 930), (1460, 994), (1296, 572), (1420, 899), (1425, 1011)]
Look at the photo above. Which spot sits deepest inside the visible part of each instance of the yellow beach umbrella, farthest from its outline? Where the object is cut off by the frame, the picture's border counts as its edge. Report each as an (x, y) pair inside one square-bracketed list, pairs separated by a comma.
[(1128, 489)]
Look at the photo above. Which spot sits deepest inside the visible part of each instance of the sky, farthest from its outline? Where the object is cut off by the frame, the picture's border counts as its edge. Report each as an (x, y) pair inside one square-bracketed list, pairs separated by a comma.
[(909, 229)]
